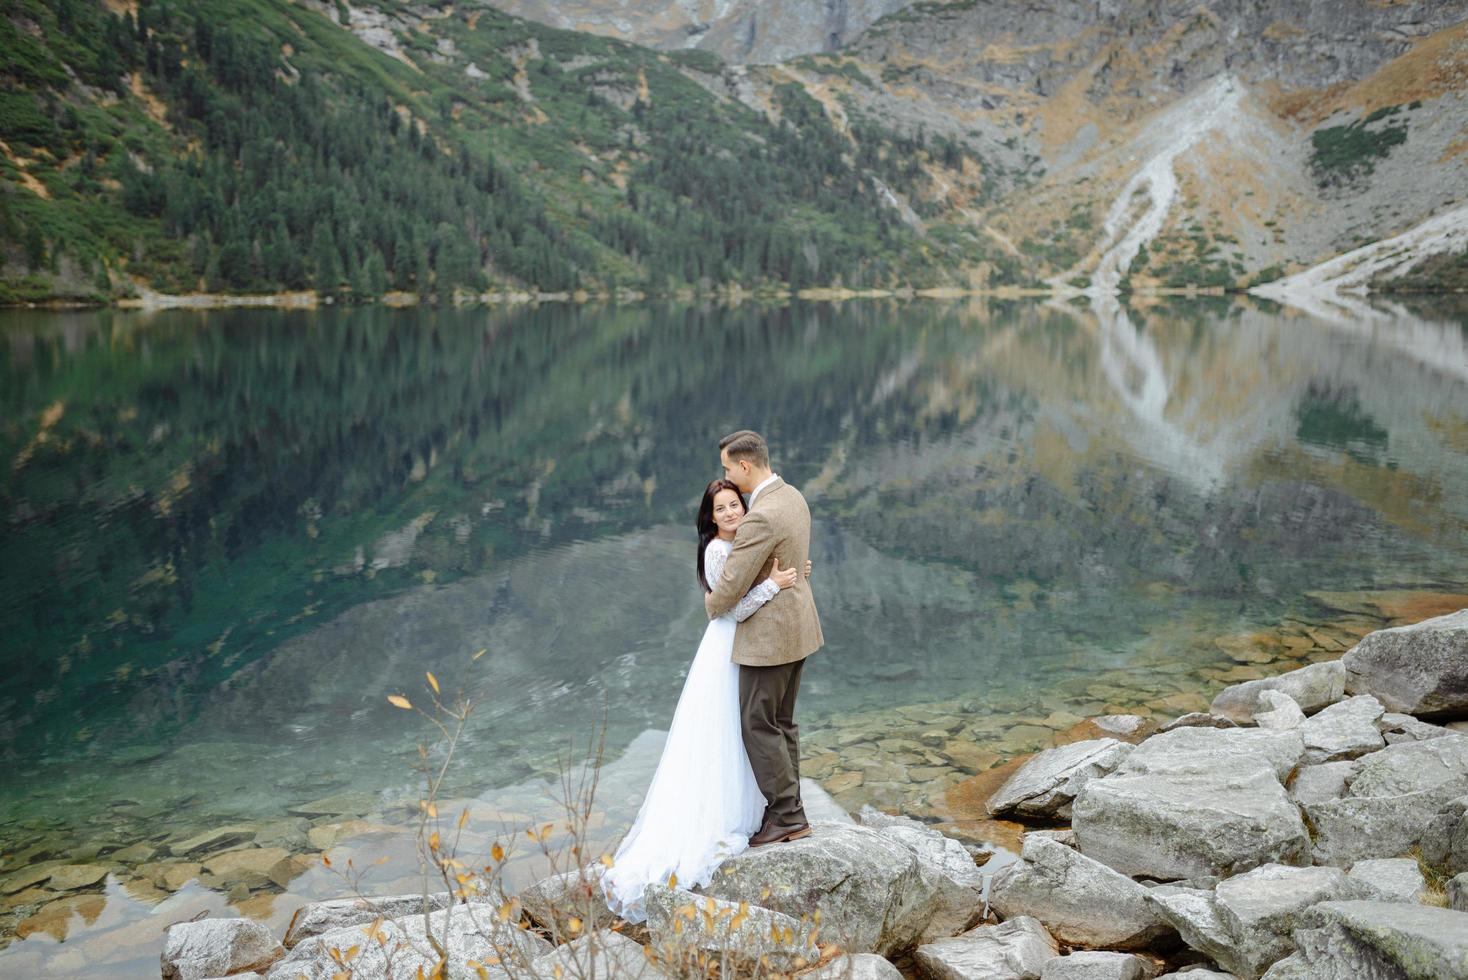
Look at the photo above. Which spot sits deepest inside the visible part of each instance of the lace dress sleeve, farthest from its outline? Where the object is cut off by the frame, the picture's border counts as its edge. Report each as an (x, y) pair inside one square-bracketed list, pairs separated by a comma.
[(714, 557)]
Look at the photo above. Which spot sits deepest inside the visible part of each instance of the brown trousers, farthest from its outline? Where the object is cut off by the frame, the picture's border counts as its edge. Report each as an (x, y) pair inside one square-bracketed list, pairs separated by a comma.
[(771, 737)]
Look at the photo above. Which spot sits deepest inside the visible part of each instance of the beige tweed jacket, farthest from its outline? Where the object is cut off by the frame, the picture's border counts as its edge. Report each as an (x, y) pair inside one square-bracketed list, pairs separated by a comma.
[(787, 628)]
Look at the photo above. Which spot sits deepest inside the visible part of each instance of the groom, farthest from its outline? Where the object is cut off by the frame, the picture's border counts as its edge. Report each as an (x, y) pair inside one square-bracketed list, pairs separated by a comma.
[(770, 647)]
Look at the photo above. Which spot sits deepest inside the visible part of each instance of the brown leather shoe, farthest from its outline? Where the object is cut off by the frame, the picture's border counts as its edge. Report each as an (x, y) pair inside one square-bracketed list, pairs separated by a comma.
[(778, 834)]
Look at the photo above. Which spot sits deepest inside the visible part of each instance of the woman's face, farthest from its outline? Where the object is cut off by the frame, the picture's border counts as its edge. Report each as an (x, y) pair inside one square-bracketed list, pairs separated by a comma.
[(728, 511)]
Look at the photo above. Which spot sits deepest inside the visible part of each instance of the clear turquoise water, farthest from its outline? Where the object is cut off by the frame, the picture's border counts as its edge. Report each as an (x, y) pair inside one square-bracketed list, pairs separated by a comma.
[(228, 536)]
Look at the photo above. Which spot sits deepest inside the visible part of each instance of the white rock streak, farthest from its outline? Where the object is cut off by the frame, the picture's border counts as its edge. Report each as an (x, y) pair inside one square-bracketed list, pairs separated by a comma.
[(1334, 292), (1389, 258), (1122, 234)]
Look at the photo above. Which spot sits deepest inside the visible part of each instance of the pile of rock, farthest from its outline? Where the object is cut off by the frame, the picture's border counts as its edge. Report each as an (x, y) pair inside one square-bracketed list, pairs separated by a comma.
[(1282, 835)]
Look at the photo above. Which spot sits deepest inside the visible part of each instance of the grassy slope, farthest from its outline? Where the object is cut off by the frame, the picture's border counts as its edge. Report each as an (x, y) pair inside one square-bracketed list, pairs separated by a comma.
[(578, 144)]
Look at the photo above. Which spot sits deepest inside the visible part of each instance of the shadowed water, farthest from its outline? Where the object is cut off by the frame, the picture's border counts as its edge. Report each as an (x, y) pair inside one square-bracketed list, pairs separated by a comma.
[(228, 536)]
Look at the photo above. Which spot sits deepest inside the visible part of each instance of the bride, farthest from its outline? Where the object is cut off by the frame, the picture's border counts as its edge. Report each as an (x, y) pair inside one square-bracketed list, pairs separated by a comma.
[(703, 802)]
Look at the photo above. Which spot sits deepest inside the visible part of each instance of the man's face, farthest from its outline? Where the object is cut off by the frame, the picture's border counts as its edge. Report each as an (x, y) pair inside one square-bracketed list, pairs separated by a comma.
[(736, 471)]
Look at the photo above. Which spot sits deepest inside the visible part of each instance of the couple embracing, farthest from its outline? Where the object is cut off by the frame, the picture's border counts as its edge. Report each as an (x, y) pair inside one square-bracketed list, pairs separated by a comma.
[(729, 776)]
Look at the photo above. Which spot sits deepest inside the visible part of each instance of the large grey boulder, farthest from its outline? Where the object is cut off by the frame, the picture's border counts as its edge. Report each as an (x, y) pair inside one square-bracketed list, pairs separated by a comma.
[(1081, 902), (1276, 709), (1245, 924), (215, 947), (1371, 940), (1311, 687), (1445, 842), (337, 913), (949, 869), (554, 900), (1391, 879), (1195, 802), (1391, 802), (1420, 669), (1045, 785), (1096, 965), (873, 893), (1397, 727), (1193, 912), (1260, 910), (1345, 730), (863, 966), (1457, 889), (472, 937), (1326, 781), (1197, 973), (600, 953), (1198, 719), (1282, 750), (1014, 950), (683, 923), (860, 966)]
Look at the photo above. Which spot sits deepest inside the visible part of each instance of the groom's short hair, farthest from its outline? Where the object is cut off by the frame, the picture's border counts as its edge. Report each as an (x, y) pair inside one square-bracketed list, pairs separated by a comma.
[(746, 445)]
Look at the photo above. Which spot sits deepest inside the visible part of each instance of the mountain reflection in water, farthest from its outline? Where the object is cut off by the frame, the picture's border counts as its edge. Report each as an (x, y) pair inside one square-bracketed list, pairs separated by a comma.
[(229, 535)]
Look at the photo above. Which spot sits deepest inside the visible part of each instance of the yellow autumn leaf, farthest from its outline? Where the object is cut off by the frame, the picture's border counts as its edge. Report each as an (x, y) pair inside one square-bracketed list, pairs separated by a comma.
[(606, 859), (399, 700), (432, 809), (672, 881), (432, 681), (574, 925), (497, 852), (433, 841), (463, 818)]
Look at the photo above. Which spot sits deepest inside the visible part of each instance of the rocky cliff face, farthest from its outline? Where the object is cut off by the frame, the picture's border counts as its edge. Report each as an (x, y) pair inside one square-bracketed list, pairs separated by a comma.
[(1137, 142), (759, 31), (1127, 143)]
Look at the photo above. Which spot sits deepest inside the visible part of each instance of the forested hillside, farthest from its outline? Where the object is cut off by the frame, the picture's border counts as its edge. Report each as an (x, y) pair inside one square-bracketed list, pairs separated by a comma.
[(256, 146)]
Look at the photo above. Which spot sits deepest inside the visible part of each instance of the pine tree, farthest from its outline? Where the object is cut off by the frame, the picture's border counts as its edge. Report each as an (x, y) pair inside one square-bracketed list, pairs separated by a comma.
[(325, 263)]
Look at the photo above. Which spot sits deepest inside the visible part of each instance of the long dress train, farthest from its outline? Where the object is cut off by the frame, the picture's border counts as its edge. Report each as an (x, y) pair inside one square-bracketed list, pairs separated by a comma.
[(704, 802)]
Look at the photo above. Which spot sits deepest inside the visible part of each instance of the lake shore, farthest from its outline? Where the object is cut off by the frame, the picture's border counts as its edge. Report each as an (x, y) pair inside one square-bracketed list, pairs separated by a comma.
[(1304, 823), (939, 764), (733, 295)]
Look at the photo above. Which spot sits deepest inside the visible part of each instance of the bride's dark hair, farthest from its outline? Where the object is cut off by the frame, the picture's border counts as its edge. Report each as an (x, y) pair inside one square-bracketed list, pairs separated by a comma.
[(707, 529)]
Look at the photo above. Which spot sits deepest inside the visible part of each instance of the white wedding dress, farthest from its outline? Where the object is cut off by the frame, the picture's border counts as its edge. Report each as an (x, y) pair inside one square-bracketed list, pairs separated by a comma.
[(703, 802)]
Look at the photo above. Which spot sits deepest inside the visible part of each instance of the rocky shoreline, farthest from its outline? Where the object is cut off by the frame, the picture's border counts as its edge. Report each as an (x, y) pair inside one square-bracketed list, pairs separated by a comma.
[(1070, 797), (732, 294), (1309, 824)]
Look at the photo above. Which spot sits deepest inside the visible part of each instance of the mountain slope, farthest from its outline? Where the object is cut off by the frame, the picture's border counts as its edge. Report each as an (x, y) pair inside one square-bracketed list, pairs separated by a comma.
[(737, 30), (449, 149), (1260, 136), (260, 145)]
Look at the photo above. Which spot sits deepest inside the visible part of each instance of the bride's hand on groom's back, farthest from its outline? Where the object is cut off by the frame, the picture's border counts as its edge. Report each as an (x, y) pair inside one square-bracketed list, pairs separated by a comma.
[(783, 577)]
